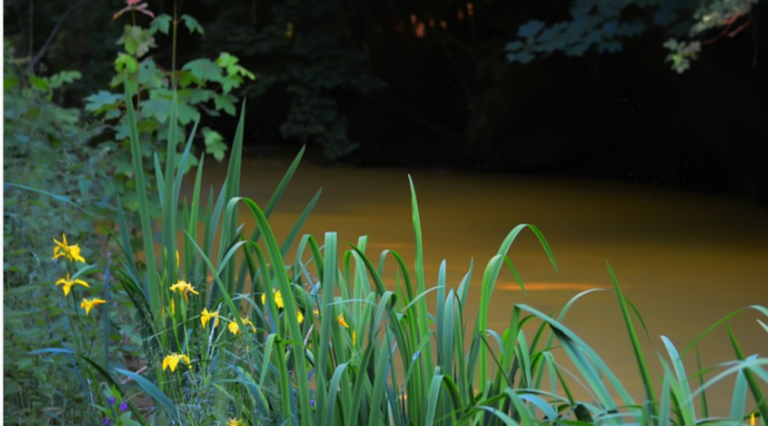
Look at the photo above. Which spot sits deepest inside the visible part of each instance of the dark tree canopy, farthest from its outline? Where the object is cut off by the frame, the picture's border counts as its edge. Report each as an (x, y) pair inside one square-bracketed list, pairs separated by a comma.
[(657, 91)]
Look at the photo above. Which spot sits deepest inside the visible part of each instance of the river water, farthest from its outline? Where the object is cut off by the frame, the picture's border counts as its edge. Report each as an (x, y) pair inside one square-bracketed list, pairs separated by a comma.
[(684, 259)]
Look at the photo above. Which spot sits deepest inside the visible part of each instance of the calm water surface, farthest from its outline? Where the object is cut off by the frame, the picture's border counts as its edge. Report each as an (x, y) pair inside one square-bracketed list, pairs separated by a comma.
[(684, 259)]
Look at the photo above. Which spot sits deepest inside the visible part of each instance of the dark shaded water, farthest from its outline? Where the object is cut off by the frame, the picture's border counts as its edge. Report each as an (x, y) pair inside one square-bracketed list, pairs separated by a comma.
[(684, 259)]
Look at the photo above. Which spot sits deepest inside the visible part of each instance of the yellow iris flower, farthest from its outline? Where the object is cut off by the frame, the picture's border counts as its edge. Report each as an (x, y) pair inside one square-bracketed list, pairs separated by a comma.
[(278, 299), (172, 360), (185, 288), (206, 316), (342, 322), (72, 252), (235, 422), (68, 283), (235, 329), (300, 317), (89, 304)]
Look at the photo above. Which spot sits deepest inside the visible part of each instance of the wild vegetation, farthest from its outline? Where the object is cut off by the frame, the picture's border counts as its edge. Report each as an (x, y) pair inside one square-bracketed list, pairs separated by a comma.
[(126, 304), (326, 340)]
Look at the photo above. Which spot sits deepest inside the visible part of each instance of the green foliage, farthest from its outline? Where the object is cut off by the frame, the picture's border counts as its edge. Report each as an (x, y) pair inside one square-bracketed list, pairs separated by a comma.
[(682, 53), (305, 53), (49, 171), (46, 148), (603, 26), (203, 86)]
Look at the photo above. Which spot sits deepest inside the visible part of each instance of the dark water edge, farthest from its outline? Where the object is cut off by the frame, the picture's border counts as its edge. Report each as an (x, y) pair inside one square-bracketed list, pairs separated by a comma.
[(698, 176)]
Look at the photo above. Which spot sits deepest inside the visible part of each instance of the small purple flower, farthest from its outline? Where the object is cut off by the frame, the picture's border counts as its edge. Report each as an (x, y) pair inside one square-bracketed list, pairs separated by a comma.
[(112, 400), (123, 407), (107, 422), (312, 403)]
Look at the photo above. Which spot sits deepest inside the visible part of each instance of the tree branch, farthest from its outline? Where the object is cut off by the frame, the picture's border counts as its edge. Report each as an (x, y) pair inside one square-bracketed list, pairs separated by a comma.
[(36, 59)]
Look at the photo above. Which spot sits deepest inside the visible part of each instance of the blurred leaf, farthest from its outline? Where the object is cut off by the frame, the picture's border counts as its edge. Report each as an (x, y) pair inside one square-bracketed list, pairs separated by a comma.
[(204, 69), (214, 143), (530, 28), (225, 102), (126, 62), (99, 101), (192, 24), (162, 23), (64, 77), (38, 82)]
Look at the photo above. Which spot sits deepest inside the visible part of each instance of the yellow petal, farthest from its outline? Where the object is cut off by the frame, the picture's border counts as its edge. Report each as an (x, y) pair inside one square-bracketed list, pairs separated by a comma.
[(186, 358), (278, 299), (234, 328), (171, 361), (247, 322), (89, 304), (205, 316), (342, 322)]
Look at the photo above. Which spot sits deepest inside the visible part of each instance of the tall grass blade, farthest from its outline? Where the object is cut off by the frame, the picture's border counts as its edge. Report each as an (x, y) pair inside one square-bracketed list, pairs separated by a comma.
[(424, 376), (575, 346), (154, 392), (291, 311), (276, 195), (704, 405), (748, 377), (146, 227), (685, 403), (490, 276), (168, 202), (639, 357)]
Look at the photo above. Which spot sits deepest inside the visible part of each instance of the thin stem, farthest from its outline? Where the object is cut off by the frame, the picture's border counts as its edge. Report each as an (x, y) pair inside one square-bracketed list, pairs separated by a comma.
[(173, 46), (33, 60), (75, 332), (31, 32), (138, 70)]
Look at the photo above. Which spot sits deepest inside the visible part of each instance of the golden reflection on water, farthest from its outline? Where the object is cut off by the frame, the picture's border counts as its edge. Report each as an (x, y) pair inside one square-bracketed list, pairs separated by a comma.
[(550, 286), (690, 258)]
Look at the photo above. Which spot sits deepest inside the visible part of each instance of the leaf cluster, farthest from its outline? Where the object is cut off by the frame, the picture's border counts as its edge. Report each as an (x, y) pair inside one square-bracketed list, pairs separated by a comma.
[(203, 86), (604, 27)]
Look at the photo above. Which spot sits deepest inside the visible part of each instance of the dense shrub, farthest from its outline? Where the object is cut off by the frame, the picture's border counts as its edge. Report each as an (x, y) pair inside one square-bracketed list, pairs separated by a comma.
[(49, 170)]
